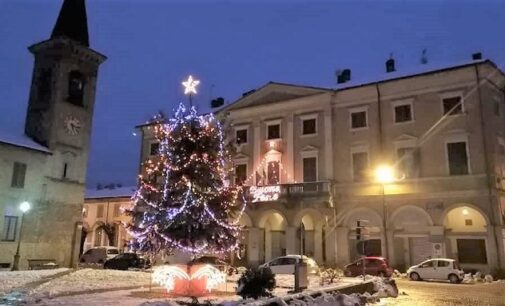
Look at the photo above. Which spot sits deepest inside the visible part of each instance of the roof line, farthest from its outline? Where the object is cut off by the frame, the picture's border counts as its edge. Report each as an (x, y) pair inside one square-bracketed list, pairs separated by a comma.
[(421, 74), (296, 85), (26, 147)]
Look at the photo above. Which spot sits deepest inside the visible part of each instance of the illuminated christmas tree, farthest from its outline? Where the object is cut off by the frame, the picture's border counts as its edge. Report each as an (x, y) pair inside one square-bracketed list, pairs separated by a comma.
[(184, 201)]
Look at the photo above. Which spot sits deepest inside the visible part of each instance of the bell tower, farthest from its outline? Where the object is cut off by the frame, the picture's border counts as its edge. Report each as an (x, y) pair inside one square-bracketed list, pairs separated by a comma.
[(62, 94)]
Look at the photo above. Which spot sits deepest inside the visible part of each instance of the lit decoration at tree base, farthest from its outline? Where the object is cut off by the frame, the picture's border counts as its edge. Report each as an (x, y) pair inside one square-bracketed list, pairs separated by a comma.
[(200, 280)]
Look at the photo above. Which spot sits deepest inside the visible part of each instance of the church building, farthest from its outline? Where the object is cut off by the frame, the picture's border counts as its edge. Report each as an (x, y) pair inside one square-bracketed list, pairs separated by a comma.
[(46, 165)]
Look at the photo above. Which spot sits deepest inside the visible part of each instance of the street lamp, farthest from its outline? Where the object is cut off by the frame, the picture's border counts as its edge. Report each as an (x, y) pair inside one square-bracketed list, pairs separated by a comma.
[(384, 174), (24, 207)]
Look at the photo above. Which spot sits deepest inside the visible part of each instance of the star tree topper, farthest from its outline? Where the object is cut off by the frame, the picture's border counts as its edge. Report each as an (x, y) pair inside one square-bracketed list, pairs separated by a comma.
[(190, 85)]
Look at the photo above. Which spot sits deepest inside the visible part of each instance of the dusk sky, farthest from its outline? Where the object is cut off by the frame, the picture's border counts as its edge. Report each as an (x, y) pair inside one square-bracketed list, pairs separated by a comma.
[(232, 47)]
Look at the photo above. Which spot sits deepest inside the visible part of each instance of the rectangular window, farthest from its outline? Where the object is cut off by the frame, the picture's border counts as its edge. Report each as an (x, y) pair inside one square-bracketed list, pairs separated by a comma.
[(359, 166), (472, 251), (358, 120), (240, 174), (154, 148), (452, 106), (408, 162), (98, 237), (274, 131), (10, 228), (18, 175), (117, 210), (99, 211), (309, 126), (65, 169), (309, 169), (458, 158), (241, 136), (403, 113)]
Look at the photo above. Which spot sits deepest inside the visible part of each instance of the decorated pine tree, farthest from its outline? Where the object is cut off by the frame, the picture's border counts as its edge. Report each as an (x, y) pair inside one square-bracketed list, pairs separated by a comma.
[(184, 201)]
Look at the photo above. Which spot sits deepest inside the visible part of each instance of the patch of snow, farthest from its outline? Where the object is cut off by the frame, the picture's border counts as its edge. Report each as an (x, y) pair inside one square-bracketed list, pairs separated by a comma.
[(117, 192), (488, 278), (16, 279), (89, 280), (21, 140)]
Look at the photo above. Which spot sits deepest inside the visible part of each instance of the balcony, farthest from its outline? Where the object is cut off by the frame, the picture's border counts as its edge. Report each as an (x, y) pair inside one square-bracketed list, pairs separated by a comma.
[(271, 193)]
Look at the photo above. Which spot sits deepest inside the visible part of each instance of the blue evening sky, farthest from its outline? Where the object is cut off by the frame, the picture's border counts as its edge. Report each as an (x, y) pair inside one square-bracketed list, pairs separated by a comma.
[(232, 47)]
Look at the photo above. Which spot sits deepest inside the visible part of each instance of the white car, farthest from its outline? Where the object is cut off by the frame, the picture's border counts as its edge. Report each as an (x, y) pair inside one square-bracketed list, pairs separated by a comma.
[(286, 264), (437, 268)]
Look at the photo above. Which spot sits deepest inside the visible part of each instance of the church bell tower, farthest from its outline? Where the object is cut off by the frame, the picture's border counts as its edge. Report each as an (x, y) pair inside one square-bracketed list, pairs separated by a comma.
[(62, 94)]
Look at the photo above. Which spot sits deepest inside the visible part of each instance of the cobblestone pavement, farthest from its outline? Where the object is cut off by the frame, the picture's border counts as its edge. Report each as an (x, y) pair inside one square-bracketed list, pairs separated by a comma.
[(445, 294)]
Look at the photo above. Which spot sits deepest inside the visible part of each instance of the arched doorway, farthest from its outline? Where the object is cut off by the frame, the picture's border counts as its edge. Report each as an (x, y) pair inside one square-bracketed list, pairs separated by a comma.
[(306, 236), (411, 237), (273, 241), (375, 245), (466, 234)]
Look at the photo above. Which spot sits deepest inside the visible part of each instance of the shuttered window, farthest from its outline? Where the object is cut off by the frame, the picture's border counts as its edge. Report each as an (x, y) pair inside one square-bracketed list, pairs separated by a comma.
[(18, 175)]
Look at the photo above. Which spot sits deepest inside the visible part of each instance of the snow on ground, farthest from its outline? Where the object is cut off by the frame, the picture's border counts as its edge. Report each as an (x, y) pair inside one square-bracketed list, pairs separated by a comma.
[(157, 297), (91, 279), (12, 280)]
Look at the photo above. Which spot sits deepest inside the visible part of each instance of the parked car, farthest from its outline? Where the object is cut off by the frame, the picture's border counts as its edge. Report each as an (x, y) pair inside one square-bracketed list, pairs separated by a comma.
[(285, 264), (126, 261), (99, 254), (377, 266), (211, 260), (437, 268)]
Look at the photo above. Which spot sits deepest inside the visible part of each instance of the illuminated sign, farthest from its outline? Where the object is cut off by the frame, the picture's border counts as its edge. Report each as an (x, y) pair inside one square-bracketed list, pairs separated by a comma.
[(265, 193)]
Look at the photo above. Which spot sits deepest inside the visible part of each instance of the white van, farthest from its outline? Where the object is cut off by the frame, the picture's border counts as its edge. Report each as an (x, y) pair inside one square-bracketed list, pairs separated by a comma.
[(99, 254), (437, 268)]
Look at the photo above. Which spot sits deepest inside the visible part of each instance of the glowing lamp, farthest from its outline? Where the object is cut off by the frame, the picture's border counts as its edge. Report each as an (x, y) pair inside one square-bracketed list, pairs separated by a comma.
[(272, 144), (24, 207), (465, 212), (384, 174)]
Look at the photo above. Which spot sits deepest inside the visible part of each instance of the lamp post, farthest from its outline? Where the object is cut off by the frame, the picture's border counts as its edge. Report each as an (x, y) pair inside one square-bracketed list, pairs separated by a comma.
[(384, 174), (24, 207)]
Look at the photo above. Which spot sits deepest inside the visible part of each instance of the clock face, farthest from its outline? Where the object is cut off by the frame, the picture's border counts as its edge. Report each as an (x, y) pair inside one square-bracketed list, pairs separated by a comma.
[(72, 125)]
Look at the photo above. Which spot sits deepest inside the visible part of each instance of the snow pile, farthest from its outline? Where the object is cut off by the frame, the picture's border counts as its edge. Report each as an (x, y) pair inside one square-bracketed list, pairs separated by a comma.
[(302, 299), (488, 278), (90, 279), (11, 280), (398, 274), (384, 287), (160, 303)]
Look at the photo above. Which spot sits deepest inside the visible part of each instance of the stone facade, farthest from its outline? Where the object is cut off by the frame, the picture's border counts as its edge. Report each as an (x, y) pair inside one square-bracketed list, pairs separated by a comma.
[(47, 165), (441, 130)]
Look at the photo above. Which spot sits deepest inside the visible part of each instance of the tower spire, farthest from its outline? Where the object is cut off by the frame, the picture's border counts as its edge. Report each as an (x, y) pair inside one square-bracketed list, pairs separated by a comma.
[(72, 22)]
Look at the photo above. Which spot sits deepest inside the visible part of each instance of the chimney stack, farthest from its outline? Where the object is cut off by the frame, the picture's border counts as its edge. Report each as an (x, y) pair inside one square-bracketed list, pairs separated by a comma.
[(390, 65), (477, 56), (343, 76)]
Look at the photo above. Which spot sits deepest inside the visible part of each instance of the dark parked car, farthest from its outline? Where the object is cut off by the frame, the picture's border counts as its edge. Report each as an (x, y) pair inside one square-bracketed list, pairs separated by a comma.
[(126, 261), (378, 266)]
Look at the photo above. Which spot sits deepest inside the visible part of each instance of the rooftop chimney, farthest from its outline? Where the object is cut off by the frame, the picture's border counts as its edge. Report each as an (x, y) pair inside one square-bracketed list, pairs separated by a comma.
[(343, 76), (477, 56), (390, 65)]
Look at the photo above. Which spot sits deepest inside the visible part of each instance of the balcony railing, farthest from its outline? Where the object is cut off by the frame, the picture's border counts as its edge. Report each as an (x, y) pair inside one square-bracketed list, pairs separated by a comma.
[(270, 193)]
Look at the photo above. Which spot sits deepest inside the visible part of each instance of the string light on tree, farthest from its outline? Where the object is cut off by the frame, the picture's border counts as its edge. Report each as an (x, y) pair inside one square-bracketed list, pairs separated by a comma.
[(184, 201)]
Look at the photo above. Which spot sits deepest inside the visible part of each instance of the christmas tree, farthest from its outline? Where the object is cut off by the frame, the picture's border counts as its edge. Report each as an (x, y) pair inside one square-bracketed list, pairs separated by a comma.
[(184, 201)]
